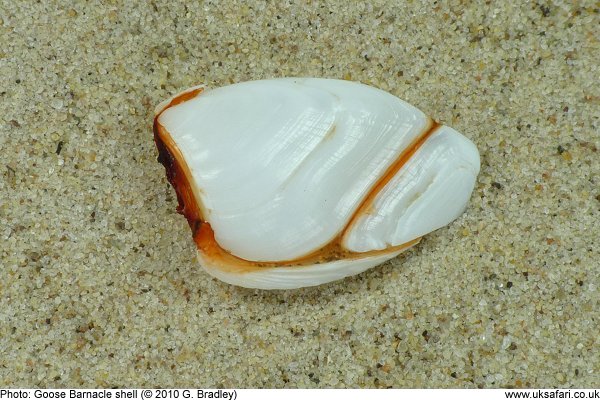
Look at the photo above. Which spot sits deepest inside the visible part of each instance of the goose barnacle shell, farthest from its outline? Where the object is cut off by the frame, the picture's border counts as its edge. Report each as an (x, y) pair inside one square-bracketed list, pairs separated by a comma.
[(296, 182)]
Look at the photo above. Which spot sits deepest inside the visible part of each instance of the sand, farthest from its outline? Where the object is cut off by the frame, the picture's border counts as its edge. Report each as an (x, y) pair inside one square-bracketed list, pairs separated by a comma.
[(99, 285)]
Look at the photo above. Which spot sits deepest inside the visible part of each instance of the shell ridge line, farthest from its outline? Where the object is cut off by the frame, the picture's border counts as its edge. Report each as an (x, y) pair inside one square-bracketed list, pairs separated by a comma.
[(327, 136), (301, 164), (367, 203), (419, 194)]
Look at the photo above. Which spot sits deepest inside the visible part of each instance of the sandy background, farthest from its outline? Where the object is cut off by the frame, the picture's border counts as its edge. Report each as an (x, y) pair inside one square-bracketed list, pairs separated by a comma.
[(98, 281)]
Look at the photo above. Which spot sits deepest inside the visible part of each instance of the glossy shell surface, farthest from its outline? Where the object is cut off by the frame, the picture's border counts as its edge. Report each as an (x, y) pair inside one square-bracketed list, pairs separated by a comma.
[(300, 181)]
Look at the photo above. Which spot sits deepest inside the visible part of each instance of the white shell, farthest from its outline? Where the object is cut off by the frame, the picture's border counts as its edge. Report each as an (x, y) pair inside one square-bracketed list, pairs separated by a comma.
[(298, 182)]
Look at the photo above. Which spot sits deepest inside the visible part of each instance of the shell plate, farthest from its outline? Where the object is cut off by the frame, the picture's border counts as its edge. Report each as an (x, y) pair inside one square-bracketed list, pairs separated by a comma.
[(299, 181)]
